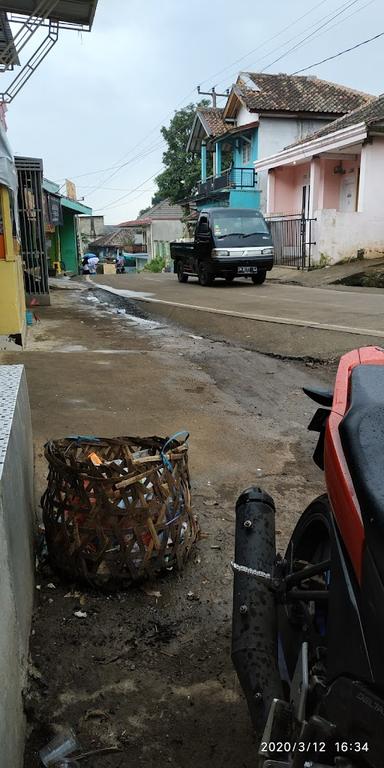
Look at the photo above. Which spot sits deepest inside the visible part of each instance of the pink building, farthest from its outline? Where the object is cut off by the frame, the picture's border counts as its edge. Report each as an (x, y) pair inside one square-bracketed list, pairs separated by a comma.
[(334, 176)]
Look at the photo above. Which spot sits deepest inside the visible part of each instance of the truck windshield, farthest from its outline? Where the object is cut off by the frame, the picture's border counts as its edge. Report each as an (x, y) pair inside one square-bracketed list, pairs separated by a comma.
[(240, 224)]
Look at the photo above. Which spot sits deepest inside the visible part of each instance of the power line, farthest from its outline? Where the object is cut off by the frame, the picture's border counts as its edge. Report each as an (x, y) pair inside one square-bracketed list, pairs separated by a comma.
[(340, 11), (123, 197), (313, 36), (143, 154), (308, 37), (190, 93), (267, 40), (341, 21), (341, 53)]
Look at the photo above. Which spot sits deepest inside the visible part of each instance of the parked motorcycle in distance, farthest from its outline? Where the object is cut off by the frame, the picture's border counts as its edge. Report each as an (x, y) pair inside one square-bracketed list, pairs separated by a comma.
[(308, 628)]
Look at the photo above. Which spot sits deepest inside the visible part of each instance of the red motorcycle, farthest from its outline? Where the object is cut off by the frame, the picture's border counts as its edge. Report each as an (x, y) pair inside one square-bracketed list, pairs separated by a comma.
[(308, 628)]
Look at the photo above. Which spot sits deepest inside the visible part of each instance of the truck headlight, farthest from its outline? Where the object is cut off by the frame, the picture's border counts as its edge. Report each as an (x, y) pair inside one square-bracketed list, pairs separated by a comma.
[(267, 251), (219, 253)]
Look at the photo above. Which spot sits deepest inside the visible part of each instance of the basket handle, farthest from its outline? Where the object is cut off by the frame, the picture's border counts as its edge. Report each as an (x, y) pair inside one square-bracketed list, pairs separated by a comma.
[(169, 442)]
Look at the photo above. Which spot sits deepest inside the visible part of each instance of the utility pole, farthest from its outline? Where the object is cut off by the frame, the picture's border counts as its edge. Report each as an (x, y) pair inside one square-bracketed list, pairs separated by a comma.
[(212, 93)]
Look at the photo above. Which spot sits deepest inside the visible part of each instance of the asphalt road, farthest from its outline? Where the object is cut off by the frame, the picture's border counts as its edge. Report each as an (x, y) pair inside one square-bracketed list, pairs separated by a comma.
[(288, 320), (150, 670)]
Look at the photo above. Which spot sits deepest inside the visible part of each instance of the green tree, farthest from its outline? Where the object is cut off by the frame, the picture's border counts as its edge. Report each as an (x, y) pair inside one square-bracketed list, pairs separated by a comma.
[(182, 169), (144, 210)]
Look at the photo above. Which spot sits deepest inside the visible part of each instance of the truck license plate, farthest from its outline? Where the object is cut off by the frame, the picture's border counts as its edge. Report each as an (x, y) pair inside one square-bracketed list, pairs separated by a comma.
[(246, 270)]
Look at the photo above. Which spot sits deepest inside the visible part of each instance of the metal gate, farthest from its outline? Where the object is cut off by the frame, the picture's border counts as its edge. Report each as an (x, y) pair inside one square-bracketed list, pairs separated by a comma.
[(32, 232), (292, 239)]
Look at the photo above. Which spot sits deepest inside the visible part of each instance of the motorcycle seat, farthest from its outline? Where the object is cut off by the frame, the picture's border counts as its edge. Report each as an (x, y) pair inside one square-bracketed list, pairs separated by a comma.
[(362, 438)]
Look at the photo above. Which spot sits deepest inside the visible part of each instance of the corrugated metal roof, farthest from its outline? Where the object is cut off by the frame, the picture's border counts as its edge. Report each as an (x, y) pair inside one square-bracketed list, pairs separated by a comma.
[(80, 12), (74, 205)]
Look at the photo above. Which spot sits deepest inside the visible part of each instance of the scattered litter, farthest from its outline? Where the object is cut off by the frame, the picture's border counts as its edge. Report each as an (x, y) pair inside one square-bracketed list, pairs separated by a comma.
[(50, 600), (95, 459), (101, 751), (74, 595), (210, 503), (38, 586), (51, 585), (215, 546), (59, 747), (259, 472), (92, 298), (191, 596), (152, 592), (192, 336), (80, 614)]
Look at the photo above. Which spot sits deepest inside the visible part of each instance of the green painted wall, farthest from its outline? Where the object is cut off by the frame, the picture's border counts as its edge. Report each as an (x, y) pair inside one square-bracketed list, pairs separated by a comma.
[(68, 246), (52, 246)]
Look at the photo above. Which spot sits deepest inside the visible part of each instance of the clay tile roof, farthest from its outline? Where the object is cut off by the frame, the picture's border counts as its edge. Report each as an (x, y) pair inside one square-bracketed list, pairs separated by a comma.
[(370, 113), (136, 223), (118, 238), (212, 118), (293, 93), (161, 211)]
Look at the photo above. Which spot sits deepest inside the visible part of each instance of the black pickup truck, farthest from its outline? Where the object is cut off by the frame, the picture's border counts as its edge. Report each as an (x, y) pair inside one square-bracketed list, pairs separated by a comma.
[(228, 243)]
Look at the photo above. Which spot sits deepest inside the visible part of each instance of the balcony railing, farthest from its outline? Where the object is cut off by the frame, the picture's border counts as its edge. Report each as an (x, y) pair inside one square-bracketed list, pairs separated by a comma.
[(232, 178)]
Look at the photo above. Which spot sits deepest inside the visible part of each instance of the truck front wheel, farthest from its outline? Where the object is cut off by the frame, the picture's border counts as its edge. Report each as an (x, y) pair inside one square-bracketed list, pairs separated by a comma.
[(205, 276), (260, 276), (181, 276)]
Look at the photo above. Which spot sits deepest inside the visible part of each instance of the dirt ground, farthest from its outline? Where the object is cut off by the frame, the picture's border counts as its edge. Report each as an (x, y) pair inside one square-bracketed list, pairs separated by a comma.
[(151, 675)]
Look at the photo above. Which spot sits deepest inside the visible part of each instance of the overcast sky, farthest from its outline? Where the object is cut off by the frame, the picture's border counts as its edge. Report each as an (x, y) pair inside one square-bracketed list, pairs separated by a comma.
[(99, 99)]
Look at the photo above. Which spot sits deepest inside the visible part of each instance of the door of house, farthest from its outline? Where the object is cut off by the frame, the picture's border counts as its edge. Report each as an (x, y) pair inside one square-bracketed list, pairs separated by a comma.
[(348, 193)]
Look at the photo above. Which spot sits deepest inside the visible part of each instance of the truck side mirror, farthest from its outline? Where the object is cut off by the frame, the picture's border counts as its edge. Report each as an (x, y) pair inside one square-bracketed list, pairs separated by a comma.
[(203, 228)]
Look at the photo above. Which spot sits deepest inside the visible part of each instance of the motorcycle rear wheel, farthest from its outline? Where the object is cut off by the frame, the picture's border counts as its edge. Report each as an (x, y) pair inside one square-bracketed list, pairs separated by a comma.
[(310, 544)]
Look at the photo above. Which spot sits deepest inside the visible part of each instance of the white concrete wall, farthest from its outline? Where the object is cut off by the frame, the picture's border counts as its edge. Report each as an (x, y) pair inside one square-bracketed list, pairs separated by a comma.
[(371, 177), (16, 558), (276, 133), (244, 116), (165, 231), (341, 235)]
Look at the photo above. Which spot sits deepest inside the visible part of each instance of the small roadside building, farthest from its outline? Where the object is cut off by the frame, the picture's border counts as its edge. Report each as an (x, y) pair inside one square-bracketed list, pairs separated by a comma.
[(62, 238), (333, 180), (119, 241), (159, 226)]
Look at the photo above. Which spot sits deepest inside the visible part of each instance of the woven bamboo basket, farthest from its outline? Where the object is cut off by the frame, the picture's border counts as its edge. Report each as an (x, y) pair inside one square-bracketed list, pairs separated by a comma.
[(117, 510)]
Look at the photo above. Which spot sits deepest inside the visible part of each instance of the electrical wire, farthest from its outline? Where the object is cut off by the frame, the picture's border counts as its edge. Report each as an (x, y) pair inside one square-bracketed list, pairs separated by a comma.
[(268, 40), (141, 156), (327, 20), (340, 53), (119, 164), (112, 203), (308, 37)]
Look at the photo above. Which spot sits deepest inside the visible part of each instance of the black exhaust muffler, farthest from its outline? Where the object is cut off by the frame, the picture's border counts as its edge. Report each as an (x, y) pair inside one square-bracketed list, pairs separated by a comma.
[(254, 621)]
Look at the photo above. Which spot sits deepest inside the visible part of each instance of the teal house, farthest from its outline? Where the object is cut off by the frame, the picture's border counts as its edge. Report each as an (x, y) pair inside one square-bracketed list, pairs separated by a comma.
[(263, 114), (61, 235)]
